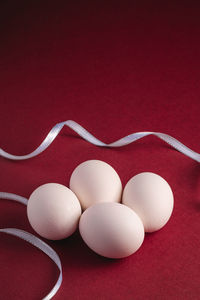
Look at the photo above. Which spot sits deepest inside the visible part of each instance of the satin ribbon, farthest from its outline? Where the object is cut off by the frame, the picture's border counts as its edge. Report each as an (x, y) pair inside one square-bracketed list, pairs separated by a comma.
[(93, 140), (35, 241)]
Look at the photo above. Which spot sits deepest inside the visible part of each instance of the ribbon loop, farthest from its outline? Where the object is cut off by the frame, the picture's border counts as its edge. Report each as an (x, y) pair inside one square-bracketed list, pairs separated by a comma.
[(35, 241)]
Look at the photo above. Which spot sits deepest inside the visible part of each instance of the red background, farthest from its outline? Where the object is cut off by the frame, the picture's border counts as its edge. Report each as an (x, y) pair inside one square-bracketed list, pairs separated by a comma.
[(115, 68)]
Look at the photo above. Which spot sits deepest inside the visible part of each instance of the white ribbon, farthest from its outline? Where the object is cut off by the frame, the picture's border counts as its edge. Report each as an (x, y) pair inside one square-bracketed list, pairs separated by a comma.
[(93, 140), (30, 238)]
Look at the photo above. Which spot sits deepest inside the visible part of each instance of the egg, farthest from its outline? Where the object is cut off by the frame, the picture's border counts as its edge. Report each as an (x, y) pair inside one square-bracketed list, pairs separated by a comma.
[(111, 229), (95, 181), (53, 211), (151, 197)]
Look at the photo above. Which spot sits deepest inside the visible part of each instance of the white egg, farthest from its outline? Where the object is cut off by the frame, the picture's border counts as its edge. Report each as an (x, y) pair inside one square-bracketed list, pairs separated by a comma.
[(111, 229), (151, 197), (95, 181), (53, 211)]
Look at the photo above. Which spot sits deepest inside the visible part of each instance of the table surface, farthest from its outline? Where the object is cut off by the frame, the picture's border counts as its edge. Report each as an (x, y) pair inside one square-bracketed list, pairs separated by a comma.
[(115, 67)]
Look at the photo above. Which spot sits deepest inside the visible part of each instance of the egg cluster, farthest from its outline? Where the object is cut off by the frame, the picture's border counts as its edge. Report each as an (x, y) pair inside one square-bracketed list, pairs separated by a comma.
[(110, 228)]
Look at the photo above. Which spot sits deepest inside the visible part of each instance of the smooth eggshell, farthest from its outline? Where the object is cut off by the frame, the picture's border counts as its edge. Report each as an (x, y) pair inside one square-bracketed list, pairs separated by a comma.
[(95, 181), (53, 211), (151, 197), (111, 229)]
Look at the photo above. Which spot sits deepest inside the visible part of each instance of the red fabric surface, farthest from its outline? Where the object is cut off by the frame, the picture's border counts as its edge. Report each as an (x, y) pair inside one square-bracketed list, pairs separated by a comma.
[(115, 68)]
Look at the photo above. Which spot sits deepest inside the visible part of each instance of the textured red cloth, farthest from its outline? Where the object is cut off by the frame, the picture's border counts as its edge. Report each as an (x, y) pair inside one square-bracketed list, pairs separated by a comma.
[(115, 68)]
